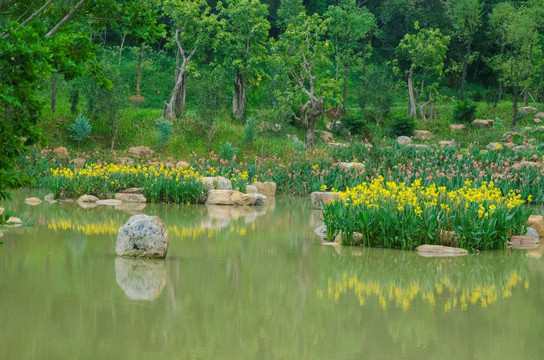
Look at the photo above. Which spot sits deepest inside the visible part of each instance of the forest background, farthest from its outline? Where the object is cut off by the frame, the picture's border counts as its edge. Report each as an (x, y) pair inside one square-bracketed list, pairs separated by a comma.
[(195, 76)]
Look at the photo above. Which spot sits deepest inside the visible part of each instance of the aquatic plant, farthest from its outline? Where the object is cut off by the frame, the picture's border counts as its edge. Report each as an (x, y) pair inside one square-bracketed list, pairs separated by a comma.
[(397, 215)]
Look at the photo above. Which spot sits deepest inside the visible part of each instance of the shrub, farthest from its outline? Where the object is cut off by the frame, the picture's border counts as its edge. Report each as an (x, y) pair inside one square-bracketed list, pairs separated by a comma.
[(354, 123), (464, 111), (227, 151), (165, 130), (402, 126), (80, 129), (250, 129)]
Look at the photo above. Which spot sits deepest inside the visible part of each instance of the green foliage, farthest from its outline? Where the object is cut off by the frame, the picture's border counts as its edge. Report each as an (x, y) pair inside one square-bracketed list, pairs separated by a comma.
[(299, 146), (354, 123), (227, 151), (377, 97), (250, 129), (165, 128), (80, 129), (402, 126), (464, 111)]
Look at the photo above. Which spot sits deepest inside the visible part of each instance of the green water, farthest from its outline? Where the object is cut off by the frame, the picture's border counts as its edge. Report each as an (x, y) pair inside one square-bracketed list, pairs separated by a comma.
[(253, 284)]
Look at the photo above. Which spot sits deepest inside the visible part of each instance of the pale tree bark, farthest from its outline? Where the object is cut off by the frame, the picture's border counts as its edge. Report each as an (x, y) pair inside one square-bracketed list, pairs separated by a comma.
[(38, 12), (465, 65), (139, 70), (173, 106), (121, 48), (239, 99), (65, 18), (411, 94)]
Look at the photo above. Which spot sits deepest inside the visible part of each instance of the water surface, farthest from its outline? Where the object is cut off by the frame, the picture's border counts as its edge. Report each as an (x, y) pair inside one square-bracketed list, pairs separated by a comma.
[(244, 283)]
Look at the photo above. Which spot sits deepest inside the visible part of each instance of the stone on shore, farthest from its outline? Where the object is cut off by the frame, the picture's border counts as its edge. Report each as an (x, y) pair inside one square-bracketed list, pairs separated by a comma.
[(350, 165), (267, 188), (525, 110), (482, 123), (457, 127), (356, 238), (523, 240), (250, 189), (131, 198), (133, 191), (440, 251), (321, 231), (320, 199), (50, 198), (404, 140), (422, 134), (88, 198), (142, 236), (537, 222), (33, 201), (446, 143), (140, 151), (234, 198), (217, 183)]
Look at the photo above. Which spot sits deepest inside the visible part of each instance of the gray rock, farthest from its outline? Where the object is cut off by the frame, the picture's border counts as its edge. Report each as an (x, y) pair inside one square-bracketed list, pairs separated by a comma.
[(234, 198), (321, 231), (539, 115), (523, 240), (422, 134), (350, 165), (140, 279), (319, 199), (531, 232), (446, 143), (293, 138), (131, 198), (88, 198), (50, 198), (404, 140), (482, 123), (527, 110), (142, 236), (419, 146), (457, 127), (140, 151), (217, 183), (133, 191)]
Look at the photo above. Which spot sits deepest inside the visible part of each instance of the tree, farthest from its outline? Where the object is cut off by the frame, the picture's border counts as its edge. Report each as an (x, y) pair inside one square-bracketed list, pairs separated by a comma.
[(304, 54), (242, 46), (36, 40), (139, 20), (349, 26), (195, 28), (288, 12), (466, 18), (425, 51)]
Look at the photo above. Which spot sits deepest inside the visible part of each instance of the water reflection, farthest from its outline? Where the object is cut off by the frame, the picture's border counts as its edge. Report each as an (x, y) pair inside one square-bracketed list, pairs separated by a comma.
[(438, 282), (220, 217), (140, 279)]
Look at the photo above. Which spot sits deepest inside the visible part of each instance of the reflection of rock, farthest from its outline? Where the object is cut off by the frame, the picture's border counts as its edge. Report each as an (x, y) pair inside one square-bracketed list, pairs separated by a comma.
[(50, 198), (142, 236), (33, 201), (321, 231), (131, 207), (87, 205), (220, 216), (439, 251), (316, 218), (14, 221), (536, 252), (140, 279)]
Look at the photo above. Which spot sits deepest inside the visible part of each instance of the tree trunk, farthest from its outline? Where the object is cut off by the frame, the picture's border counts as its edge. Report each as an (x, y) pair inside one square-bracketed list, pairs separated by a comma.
[(180, 99), (309, 114), (345, 90), (411, 94), (121, 48), (239, 99), (170, 110), (139, 70), (515, 106), (465, 64), (53, 92)]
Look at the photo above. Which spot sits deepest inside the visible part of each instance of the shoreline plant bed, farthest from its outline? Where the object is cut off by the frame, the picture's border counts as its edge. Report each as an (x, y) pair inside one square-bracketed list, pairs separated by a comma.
[(396, 215), (160, 183)]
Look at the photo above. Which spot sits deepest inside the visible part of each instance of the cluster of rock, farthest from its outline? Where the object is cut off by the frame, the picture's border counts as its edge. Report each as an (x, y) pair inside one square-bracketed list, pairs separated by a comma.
[(222, 194), (12, 221)]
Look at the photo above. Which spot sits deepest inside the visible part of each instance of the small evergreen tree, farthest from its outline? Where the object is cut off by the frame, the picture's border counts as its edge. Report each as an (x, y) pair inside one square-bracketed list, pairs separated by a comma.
[(80, 129)]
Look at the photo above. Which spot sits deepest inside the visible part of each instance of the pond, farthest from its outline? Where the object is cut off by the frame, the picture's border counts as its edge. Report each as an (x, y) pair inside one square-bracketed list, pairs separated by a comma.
[(253, 283)]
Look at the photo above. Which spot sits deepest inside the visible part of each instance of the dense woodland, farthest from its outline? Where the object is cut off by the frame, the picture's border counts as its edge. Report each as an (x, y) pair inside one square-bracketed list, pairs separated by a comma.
[(279, 62)]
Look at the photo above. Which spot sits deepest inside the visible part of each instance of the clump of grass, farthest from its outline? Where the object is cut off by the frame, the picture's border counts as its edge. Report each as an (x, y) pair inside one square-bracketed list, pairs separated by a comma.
[(395, 215)]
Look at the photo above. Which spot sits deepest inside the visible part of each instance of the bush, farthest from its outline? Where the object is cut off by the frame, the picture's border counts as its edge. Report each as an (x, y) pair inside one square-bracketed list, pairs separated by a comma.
[(354, 123), (227, 151), (464, 111), (250, 129), (80, 129), (165, 130), (402, 126)]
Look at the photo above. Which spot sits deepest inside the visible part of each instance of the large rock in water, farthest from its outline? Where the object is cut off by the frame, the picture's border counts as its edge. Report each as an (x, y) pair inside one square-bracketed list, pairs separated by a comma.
[(142, 236), (217, 183), (234, 198)]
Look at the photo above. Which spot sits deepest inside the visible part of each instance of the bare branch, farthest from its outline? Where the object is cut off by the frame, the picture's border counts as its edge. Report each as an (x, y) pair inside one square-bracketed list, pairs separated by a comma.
[(65, 19), (40, 10)]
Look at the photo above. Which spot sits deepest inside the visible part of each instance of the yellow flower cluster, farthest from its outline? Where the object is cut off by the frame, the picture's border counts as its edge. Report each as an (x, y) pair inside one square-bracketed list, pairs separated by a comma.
[(378, 193), (403, 295), (107, 171)]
